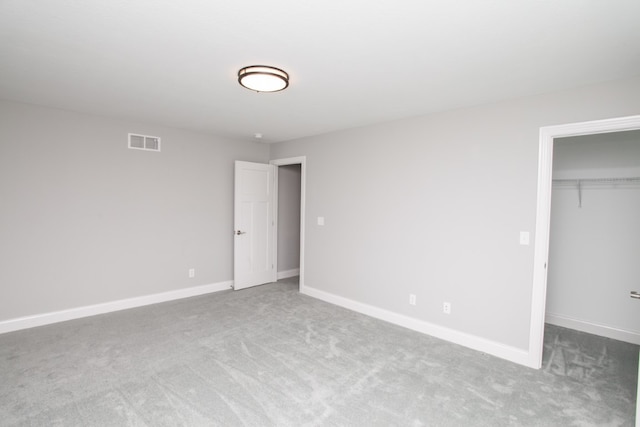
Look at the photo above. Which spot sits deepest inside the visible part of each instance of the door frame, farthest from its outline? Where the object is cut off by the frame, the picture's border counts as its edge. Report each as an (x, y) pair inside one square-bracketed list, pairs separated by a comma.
[(543, 217), (302, 161)]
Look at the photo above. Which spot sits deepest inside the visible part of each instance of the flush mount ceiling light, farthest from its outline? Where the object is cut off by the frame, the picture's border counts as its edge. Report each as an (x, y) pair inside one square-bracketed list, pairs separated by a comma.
[(263, 78)]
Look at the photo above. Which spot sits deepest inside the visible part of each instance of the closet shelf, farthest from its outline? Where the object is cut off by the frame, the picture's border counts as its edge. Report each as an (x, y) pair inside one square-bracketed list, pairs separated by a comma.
[(575, 181), (580, 183)]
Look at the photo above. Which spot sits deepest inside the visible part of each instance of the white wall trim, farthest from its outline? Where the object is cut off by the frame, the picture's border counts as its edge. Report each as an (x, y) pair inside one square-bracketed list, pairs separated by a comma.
[(288, 273), (638, 398), (543, 215), (108, 307), (632, 337), (497, 349)]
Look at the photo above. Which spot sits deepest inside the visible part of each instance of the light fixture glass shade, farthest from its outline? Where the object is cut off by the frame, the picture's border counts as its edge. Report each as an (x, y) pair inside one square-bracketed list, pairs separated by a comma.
[(263, 78)]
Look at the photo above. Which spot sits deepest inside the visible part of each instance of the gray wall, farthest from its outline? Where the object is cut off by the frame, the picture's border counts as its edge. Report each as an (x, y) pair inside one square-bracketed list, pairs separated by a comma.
[(434, 206), (84, 220), (431, 206), (594, 249), (288, 217)]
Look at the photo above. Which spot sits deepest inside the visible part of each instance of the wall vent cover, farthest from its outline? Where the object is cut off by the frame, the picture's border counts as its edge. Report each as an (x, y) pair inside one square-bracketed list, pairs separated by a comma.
[(144, 142)]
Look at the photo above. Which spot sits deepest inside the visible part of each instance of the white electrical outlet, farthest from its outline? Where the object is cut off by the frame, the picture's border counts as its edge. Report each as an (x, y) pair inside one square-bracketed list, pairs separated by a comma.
[(412, 299), (446, 307), (192, 273)]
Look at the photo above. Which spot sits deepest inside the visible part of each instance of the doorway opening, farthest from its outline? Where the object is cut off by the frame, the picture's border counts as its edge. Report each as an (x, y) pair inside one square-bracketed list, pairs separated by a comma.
[(541, 256), (543, 216), (593, 244), (591, 331), (290, 208)]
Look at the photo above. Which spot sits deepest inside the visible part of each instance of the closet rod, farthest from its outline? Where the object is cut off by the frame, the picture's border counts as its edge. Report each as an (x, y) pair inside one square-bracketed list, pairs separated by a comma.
[(575, 181), (580, 182)]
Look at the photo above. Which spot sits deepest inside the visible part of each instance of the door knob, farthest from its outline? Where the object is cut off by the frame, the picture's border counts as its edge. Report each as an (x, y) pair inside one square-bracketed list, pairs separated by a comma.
[(635, 295), (240, 232)]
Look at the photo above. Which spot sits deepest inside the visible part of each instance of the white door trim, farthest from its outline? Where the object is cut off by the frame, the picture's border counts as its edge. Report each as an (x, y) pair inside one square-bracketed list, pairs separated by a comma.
[(302, 161), (638, 397), (543, 214)]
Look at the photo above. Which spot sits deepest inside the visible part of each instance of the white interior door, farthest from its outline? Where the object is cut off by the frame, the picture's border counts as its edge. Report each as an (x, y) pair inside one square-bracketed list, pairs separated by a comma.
[(254, 223)]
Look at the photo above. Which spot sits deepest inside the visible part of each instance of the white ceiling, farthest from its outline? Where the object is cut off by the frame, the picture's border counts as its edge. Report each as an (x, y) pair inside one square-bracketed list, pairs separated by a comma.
[(352, 62)]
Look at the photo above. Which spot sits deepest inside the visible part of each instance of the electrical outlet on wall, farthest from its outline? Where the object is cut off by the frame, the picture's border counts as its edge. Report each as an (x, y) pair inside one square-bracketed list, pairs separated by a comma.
[(446, 307), (412, 299), (192, 273)]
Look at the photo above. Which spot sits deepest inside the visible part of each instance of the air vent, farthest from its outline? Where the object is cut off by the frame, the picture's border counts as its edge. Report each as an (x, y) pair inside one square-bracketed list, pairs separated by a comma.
[(144, 142)]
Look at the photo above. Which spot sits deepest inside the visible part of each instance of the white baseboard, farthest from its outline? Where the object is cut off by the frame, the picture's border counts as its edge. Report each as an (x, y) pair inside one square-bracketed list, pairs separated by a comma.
[(632, 337), (108, 307), (288, 273), (497, 349)]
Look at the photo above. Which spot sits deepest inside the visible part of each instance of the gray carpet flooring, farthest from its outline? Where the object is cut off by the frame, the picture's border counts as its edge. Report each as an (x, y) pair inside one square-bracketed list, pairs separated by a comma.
[(269, 356)]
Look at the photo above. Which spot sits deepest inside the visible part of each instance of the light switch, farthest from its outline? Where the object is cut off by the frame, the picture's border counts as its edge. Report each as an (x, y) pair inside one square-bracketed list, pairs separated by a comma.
[(524, 238), (320, 220)]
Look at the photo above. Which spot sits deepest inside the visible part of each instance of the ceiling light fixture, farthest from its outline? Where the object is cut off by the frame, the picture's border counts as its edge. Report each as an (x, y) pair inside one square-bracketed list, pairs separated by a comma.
[(263, 78)]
